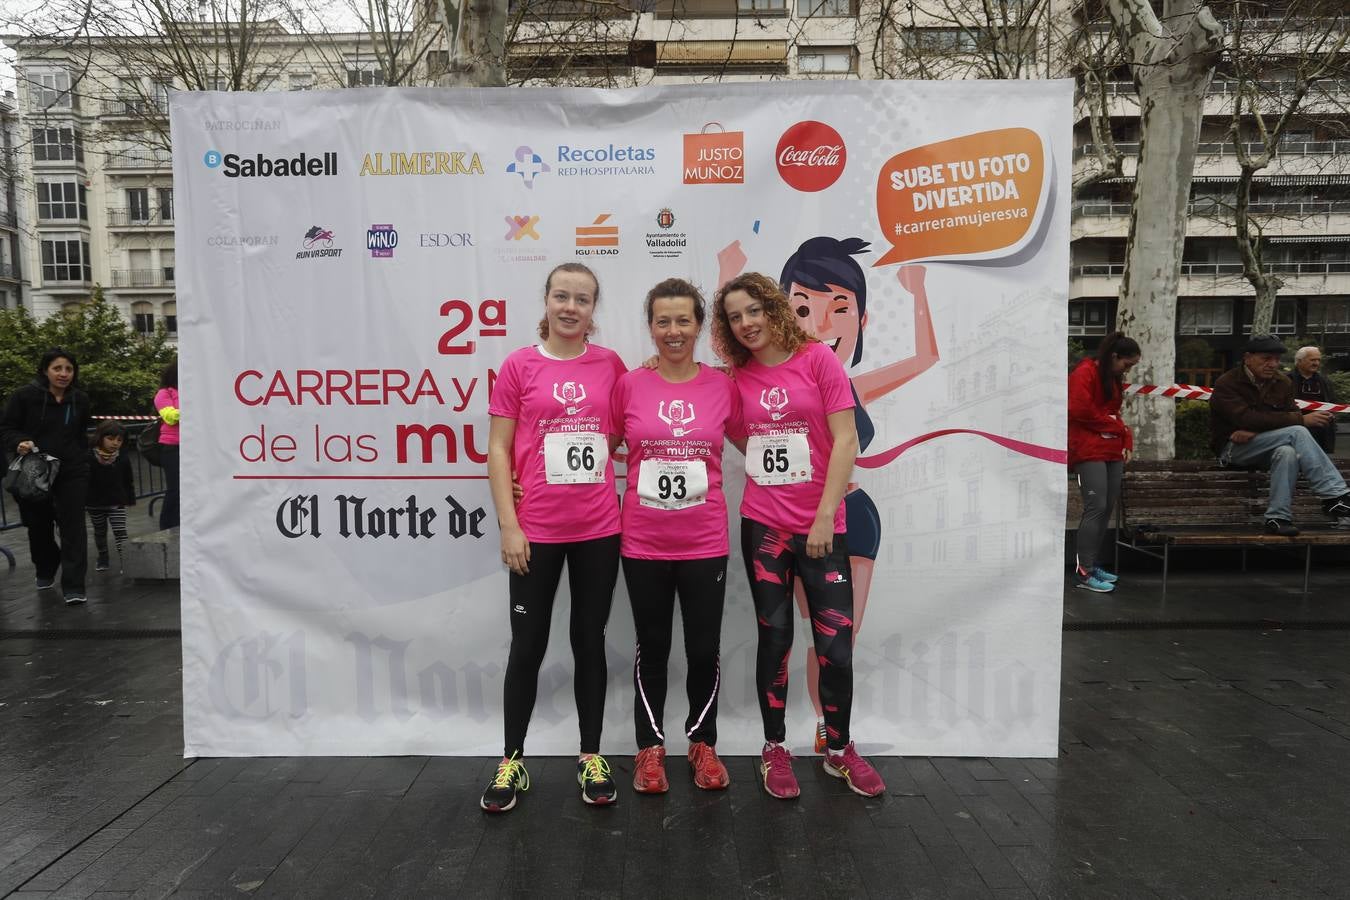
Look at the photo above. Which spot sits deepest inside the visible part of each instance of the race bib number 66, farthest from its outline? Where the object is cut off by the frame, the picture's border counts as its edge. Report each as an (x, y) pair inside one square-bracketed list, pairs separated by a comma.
[(575, 457), (778, 459)]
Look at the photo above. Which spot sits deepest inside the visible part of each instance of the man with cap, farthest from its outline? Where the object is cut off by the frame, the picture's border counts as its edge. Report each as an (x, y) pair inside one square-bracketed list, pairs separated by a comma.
[(1254, 421)]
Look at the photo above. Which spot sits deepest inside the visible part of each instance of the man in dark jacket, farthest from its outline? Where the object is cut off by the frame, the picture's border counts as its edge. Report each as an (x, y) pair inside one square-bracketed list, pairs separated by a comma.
[(1254, 421), (1310, 385)]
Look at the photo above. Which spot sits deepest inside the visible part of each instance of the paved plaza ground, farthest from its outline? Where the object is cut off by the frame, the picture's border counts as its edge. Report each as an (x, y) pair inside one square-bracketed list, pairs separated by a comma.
[(1203, 753)]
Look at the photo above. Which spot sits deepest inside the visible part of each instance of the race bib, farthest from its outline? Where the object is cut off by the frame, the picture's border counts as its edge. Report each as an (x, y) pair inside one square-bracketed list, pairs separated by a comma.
[(778, 459), (672, 484), (575, 457)]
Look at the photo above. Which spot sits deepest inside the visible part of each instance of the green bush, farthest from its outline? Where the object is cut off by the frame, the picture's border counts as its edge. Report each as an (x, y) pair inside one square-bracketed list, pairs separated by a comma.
[(1193, 430), (119, 368), (1340, 385)]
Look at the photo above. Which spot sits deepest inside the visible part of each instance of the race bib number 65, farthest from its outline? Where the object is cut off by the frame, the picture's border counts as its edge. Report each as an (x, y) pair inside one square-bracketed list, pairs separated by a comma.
[(575, 457), (778, 459)]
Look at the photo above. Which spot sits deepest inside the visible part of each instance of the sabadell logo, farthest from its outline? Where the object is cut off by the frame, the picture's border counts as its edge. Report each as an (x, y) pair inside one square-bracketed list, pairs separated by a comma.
[(232, 165), (811, 156)]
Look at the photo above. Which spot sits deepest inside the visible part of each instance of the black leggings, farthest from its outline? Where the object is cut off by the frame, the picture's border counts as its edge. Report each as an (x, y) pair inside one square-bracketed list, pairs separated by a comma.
[(652, 585), (592, 570), (63, 514), (773, 559)]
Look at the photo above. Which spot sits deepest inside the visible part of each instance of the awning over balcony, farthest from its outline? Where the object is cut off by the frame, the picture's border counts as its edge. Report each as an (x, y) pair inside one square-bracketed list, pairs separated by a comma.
[(1307, 238), (720, 52)]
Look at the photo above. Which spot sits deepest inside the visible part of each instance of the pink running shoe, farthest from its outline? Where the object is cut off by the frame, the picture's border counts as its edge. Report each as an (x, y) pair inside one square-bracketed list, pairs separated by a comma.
[(776, 770), (858, 772)]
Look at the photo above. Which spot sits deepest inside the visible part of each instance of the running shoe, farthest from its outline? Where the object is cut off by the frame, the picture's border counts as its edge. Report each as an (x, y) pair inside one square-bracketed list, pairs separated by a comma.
[(858, 772), (511, 779), (775, 769), (75, 599), (709, 773), (597, 785), (1282, 527), (1102, 575), (44, 583), (649, 771), (822, 738), (102, 564), (1337, 507), (1089, 582)]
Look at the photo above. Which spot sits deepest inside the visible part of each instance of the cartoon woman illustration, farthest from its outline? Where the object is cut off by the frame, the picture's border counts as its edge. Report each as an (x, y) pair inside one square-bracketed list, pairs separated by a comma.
[(828, 289)]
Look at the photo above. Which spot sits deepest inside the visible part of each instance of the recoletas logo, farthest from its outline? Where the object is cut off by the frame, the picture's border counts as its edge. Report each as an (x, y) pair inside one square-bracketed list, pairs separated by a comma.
[(305, 165)]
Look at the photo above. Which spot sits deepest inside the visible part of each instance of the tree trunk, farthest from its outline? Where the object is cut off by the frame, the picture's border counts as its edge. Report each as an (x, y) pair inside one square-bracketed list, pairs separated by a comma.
[(477, 44), (1172, 66)]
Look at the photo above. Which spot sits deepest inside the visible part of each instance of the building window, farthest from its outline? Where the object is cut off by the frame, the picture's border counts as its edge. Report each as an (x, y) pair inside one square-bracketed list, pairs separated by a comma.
[(166, 204), (778, 7), (808, 8), (138, 204), (1205, 317), (1087, 317), (1284, 320), (51, 90), (166, 266), (1330, 315), (4, 299), (1023, 498), (941, 40), (972, 548), (143, 317), (301, 81), (170, 317), (66, 260), (825, 60), (61, 200), (363, 77), (56, 144), (438, 62), (217, 84)]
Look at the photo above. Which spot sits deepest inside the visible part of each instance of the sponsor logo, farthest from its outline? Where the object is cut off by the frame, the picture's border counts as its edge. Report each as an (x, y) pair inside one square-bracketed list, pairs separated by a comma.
[(242, 124), (835, 578), (243, 240), (774, 400), (528, 165), (597, 238), (714, 157), (444, 239), (666, 244), (520, 227), (381, 241), (431, 162), (610, 160), (570, 394), (811, 156), (232, 165), (679, 414), (318, 244)]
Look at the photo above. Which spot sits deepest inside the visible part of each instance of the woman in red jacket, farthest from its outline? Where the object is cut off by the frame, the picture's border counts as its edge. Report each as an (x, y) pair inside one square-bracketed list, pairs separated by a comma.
[(1100, 444)]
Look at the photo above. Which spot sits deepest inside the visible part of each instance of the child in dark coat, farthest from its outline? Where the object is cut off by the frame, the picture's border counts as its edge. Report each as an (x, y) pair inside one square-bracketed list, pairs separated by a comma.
[(111, 490)]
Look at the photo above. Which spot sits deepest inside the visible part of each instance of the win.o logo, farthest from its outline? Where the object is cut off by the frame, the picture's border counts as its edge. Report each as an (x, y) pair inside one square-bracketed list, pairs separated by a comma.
[(212, 159)]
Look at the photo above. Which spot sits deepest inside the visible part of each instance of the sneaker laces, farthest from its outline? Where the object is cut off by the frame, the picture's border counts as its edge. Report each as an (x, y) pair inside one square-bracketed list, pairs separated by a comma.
[(705, 762), (649, 763), (595, 769), (778, 759), (508, 770)]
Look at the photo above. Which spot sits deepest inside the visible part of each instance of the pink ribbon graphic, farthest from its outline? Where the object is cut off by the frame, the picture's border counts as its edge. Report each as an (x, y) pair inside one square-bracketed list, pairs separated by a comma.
[(1049, 454)]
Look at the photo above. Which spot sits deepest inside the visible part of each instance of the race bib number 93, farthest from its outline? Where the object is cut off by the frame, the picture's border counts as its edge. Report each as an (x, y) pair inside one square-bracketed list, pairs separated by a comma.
[(672, 484)]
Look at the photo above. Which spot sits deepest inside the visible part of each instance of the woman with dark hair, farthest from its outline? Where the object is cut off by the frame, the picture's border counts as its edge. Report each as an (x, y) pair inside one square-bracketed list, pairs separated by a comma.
[(550, 424), (50, 415), (166, 404), (800, 444), (1100, 443), (111, 490), (674, 419)]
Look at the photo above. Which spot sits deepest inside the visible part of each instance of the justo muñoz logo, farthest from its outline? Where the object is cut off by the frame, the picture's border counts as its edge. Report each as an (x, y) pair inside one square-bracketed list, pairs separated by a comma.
[(811, 156)]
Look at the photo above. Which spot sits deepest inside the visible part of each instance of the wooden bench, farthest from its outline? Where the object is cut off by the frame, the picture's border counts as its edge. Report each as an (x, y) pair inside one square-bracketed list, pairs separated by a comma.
[(1198, 503)]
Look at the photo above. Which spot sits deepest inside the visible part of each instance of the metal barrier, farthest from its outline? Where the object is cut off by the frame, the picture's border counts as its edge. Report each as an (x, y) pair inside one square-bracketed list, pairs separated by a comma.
[(149, 481)]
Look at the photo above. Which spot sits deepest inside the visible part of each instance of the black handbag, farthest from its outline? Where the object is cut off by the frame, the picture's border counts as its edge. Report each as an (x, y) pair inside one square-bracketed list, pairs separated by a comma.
[(31, 476), (147, 442)]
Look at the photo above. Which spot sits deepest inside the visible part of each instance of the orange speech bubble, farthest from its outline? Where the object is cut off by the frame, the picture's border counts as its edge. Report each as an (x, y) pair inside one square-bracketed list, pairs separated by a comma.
[(972, 197)]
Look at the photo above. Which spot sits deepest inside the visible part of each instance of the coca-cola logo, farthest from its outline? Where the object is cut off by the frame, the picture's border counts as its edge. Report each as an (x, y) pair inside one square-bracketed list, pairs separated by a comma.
[(811, 156)]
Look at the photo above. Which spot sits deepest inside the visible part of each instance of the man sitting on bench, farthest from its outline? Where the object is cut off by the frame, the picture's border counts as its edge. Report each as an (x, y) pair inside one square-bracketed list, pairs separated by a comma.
[(1254, 421)]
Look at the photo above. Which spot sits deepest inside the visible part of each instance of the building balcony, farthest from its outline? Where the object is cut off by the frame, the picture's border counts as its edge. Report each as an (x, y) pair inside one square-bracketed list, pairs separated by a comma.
[(82, 286), (125, 218), (143, 278), (1093, 219), (1327, 96), (8, 219), (1217, 279), (1218, 159), (138, 161), (135, 108)]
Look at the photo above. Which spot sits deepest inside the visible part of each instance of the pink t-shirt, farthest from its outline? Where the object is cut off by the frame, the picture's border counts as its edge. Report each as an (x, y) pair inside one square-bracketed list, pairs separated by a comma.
[(561, 408), (785, 408), (673, 506), (167, 396)]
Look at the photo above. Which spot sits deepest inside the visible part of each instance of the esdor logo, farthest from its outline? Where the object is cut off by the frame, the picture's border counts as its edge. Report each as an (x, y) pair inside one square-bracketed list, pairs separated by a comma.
[(811, 156)]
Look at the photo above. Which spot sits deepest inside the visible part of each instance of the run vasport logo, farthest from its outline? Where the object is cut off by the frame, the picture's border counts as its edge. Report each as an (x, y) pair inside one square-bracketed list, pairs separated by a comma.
[(714, 156), (666, 244), (598, 238), (306, 165), (318, 244), (381, 241), (811, 156)]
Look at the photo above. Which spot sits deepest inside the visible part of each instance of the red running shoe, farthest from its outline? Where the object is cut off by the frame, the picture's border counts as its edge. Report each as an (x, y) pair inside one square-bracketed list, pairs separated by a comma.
[(709, 773), (776, 770), (649, 771), (858, 772)]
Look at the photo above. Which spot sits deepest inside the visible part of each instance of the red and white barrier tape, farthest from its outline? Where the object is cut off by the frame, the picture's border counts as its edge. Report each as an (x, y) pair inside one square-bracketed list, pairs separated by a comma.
[(129, 418), (1198, 392)]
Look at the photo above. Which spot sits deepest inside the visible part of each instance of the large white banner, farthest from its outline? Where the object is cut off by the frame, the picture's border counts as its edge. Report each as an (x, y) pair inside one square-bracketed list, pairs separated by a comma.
[(355, 265)]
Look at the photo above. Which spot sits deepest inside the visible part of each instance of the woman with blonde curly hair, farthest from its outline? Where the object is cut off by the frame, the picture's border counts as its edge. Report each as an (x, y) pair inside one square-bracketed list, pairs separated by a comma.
[(800, 444)]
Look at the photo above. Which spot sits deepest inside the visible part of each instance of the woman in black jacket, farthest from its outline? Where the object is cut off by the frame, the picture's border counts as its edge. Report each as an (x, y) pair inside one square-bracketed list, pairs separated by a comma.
[(51, 415)]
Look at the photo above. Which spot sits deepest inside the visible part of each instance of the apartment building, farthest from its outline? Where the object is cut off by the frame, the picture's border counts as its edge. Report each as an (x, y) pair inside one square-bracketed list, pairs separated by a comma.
[(13, 280)]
